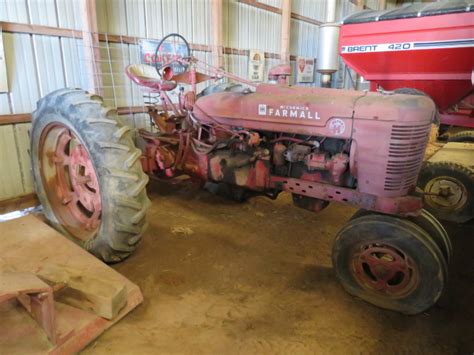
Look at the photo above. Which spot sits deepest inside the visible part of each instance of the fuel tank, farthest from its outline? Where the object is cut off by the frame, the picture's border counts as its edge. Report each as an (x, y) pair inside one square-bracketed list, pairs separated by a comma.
[(389, 132)]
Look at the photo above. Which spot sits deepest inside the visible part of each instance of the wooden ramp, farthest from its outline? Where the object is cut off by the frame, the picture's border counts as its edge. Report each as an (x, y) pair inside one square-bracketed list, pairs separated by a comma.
[(89, 296)]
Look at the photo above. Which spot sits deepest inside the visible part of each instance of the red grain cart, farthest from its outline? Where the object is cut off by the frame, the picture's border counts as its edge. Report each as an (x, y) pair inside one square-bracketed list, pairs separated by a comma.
[(425, 49), (428, 47)]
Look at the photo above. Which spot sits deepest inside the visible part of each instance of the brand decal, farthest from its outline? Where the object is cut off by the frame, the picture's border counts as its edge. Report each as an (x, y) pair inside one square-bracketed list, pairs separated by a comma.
[(302, 112), (337, 126)]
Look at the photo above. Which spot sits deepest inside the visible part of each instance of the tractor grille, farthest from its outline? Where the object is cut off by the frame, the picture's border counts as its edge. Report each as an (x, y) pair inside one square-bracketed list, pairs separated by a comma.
[(406, 152)]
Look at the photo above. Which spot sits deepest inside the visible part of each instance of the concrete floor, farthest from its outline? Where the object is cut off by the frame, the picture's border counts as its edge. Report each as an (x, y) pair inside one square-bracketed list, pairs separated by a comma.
[(256, 278)]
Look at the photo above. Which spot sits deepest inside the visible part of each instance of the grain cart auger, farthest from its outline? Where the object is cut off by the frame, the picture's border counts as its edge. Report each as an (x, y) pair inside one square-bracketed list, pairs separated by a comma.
[(320, 145)]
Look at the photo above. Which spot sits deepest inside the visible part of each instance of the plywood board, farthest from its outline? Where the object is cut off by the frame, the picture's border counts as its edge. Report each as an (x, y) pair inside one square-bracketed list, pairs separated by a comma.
[(29, 245)]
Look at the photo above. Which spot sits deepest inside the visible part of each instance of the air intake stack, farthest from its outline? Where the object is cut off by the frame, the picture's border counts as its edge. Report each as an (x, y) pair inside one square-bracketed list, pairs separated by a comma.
[(327, 62)]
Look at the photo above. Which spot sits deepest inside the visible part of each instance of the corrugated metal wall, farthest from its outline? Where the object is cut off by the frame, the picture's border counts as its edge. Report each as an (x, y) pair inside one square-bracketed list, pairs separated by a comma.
[(37, 64)]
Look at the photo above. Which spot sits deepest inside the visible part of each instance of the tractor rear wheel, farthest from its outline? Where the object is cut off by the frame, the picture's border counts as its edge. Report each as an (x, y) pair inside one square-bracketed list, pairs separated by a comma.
[(448, 191), (389, 262), (88, 174)]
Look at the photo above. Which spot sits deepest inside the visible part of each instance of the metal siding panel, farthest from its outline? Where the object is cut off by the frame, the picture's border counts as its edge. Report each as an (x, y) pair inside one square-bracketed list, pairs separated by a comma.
[(21, 72), (232, 25), (102, 17), (4, 105), (69, 13), (153, 17), (170, 16), (10, 175), (274, 3), (202, 21), (117, 86), (136, 90), (14, 11), (135, 11), (22, 138), (49, 62), (73, 62), (115, 13), (185, 19), (314, 9), (43, 12)]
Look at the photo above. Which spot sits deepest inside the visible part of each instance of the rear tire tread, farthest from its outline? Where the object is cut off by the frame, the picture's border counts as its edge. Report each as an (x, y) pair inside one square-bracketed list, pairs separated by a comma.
[(109, 143)]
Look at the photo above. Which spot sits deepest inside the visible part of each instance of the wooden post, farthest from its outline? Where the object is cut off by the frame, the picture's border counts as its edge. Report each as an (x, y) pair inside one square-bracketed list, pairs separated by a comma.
[(285, 31), (360, 5), (90, 41), (217, 35), (382, 4)]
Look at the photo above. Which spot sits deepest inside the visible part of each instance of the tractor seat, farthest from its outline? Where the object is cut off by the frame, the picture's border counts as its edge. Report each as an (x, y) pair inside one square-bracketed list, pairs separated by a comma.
[(146, 75)]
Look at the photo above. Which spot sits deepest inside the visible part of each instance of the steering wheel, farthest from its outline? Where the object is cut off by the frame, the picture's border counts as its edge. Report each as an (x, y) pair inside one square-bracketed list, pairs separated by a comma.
[(169, 51)]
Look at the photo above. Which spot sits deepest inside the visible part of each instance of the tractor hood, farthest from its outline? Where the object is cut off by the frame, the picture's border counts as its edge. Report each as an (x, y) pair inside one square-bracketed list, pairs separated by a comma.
[(307, 110)]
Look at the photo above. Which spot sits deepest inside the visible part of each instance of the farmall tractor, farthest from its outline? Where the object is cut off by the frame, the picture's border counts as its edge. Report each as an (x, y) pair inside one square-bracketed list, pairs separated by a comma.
[(320, 145)]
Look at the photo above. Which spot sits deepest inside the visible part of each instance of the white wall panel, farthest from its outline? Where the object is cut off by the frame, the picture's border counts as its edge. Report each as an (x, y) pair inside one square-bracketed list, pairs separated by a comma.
[(55, 13), (49, 62), (10, 178), (13, 11), (154, 19), (42, 12), (73, 57), (170, 16), (4, 104), (135, 11), (200, 20), (21, 71), (314, 9), (68, 12), (22, 141)]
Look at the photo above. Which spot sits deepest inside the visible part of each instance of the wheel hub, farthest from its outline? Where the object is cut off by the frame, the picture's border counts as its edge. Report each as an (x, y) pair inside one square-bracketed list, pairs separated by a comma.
[(445, 192), (70, 181), (384, 269)]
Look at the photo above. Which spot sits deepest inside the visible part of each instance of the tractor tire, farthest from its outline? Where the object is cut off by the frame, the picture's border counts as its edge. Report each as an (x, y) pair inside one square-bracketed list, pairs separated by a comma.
[(389, 262), (88, 175), (429, 224), (462, 137), (458, 206)]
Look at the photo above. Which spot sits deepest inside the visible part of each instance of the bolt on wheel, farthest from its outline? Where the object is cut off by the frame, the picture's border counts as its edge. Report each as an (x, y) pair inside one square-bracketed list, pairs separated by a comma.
[(446, 193), (384, 268), (389, 262)]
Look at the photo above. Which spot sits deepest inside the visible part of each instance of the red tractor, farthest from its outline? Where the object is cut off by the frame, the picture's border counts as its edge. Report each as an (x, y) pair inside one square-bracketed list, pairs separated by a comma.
[(320, 145)]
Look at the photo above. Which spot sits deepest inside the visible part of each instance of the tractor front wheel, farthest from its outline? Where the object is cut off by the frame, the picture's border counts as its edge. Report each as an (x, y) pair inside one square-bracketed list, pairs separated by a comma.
[(389, 262), (88, 174)]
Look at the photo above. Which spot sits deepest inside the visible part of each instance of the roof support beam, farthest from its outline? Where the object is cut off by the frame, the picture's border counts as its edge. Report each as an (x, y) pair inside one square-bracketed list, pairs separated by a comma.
[(217, 35), (90, 41), (285, 31)]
